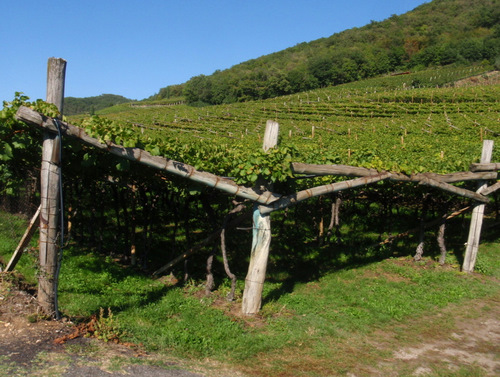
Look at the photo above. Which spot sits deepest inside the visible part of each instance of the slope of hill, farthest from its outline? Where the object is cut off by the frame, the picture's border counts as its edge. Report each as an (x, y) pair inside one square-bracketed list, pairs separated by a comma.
[(440, 32)]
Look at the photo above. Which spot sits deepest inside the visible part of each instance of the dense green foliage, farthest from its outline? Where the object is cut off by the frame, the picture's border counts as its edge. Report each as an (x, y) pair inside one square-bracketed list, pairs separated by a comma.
[(168, 92), (20, 145), (89, 105), (438, 33), (384, 123)]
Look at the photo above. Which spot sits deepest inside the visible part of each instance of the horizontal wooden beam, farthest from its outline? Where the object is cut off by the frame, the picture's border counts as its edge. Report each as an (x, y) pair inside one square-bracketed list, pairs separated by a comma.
[(455, 190), (289, 200), (485, 166), (354, 171), (30, 116), (345, 170), (491, 189), (455, 177)]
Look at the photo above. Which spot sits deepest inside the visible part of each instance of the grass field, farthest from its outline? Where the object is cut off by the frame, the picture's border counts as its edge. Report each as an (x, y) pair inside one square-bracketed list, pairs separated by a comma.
[(326, 326)]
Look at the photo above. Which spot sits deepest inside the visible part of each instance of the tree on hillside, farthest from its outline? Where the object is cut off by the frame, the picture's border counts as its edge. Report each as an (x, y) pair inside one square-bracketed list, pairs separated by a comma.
[(198, 89), (90, 105), (441, 32)]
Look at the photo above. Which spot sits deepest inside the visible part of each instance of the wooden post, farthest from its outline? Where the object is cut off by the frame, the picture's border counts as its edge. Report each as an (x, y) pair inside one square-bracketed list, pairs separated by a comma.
[(49, 193), (254, 282), (477, 217)]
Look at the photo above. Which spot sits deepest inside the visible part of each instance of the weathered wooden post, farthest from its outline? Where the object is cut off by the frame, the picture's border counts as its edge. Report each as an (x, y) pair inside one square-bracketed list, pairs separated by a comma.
[(254, 281), (477, 217), (49, 192)]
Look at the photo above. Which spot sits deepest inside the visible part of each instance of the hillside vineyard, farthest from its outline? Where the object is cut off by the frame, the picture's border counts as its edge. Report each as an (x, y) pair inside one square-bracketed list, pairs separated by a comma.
[(402, 129)]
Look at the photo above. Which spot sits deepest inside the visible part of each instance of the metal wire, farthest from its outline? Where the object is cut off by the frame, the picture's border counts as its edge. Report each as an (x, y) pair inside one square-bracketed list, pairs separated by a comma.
[(61, 218)]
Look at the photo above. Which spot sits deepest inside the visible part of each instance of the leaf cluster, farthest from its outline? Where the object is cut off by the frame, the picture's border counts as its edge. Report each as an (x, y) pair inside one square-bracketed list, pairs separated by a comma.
[(272, 166), (18, 143)]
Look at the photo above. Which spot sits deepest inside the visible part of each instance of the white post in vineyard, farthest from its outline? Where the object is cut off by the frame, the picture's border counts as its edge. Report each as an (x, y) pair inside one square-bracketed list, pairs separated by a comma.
[(476, 221), (49, 193), (254, 282)]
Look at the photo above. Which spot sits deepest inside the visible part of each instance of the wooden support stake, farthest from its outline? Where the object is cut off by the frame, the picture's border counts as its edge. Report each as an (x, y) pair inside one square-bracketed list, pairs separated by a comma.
[(491, 189), (254, 282), (49, 194), (477, 217), (28, 234), (293, 199), (354, 171), (270, 135)]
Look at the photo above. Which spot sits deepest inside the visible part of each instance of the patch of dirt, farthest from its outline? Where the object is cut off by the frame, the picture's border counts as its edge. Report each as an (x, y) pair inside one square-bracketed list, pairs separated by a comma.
[(473, 340), (489, 78), (31, 345), (23, 332)]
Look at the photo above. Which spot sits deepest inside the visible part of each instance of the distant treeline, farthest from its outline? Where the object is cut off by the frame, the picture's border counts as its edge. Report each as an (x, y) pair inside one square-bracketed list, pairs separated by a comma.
[(441, 32), (90, 105)]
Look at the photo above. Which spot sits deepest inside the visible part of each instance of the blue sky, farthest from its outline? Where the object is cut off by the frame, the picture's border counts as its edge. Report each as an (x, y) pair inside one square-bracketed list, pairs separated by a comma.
[(135, 47)]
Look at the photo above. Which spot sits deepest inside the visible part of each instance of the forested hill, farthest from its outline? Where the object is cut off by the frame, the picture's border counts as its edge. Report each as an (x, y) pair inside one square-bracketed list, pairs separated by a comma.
[(440, 32), (73, 105)]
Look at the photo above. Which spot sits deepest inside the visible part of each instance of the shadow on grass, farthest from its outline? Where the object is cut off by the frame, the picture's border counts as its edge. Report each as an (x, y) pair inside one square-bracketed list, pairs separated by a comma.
[(297, 255), (304, 260), (90, 281)]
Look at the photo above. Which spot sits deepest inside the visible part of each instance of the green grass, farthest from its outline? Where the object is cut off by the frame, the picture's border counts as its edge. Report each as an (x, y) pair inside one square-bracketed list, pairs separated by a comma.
[(488, 261), (90, 281), (299, 319), (181, 320), (12, 228)]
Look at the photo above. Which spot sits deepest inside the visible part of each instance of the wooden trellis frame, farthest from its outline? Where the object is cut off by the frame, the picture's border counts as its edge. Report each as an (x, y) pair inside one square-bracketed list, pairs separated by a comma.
[(265, 201)]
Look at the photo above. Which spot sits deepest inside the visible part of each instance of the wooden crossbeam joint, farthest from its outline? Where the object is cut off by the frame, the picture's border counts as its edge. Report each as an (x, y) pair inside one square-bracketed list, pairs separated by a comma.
[(485, 166)]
